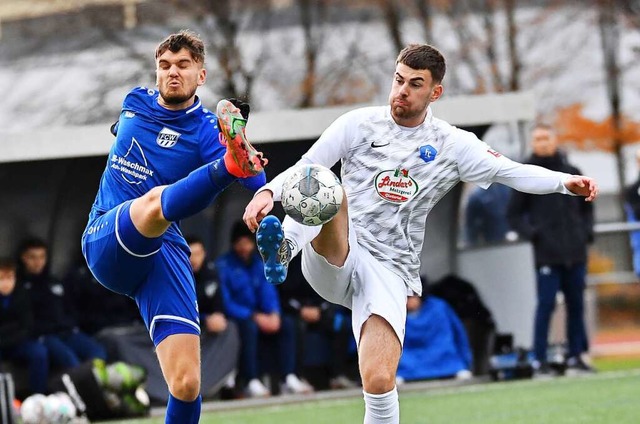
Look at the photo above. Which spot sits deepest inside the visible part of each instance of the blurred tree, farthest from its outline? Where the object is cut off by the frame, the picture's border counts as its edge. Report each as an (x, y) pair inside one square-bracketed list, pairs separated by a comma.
[(425, 13), (610, 39), (313, 14), (393, 20), (479, 40), (221, 22)]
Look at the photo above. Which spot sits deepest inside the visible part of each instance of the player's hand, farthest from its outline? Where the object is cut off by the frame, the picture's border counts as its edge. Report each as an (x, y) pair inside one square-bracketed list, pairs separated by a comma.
[(243, 106), (258, 208), (582, 186), (216, 322), (310, 314), (267, 323)]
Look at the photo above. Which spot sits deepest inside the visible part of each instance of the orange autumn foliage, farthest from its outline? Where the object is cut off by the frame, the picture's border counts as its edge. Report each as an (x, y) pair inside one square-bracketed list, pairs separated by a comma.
[(573, 127)]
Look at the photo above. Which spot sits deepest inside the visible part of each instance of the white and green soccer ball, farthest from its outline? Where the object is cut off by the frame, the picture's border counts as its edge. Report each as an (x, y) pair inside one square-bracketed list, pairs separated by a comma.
[(312, 194), (32, 410)]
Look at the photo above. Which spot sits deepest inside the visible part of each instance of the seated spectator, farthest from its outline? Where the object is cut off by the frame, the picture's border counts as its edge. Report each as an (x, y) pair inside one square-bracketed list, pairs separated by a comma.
[(129, 340), (220, 342), (324, 335), (486, 215), (54, 318), (16, 326), (462, 296), (253, 304), (435, 344), (100, 308), (210, 301)]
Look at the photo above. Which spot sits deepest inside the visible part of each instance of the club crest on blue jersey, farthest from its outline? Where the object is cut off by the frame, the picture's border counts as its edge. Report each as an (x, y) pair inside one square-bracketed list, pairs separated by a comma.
[(428, 153), (167, 138)]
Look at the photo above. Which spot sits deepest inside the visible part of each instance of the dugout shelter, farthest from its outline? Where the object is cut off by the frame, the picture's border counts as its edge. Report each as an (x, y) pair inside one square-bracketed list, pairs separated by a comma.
[(49, 178)]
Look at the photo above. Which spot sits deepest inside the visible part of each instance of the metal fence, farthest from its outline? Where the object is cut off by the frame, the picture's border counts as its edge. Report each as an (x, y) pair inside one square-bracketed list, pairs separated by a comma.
[(610, 256)]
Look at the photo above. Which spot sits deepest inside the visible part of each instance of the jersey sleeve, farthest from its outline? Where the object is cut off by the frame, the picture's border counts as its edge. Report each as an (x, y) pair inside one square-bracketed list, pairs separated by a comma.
[(332, 146), (532, 178), (477, 162)]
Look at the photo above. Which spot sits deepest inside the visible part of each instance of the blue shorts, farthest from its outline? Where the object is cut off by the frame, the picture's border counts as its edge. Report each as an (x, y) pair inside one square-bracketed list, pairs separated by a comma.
[(154, 271)]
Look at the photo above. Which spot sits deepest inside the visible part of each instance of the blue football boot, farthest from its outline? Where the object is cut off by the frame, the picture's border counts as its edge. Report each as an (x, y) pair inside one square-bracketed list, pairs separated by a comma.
[(274, 249)]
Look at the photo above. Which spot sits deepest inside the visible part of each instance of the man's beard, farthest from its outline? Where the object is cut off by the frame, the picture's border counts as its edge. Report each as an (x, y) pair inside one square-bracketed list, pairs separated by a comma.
[(176, 98), (404, 112)]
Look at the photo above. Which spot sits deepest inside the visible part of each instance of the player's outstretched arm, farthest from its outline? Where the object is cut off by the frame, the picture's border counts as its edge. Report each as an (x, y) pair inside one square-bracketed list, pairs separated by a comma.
[(258, 208), (582, 186)]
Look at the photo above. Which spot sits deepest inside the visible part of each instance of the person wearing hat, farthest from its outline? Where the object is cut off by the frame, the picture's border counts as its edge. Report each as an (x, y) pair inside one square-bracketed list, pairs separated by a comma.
[(253, 304)]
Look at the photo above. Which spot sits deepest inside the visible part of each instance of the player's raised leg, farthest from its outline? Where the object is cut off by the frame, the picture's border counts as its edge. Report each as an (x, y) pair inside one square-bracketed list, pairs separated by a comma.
[(153, 212), (333, 240), (278, 242)]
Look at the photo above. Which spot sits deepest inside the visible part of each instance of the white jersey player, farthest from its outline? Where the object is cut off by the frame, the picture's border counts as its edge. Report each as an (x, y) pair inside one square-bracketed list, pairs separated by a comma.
[(397, 162)]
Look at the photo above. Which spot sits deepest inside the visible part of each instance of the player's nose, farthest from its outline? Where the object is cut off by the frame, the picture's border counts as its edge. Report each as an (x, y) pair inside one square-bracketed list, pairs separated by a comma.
[(173, 70)]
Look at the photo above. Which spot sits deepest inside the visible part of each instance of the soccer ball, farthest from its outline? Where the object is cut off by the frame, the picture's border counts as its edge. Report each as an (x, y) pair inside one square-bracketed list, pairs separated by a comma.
[(312, 195), (32, 409), (59, 408)]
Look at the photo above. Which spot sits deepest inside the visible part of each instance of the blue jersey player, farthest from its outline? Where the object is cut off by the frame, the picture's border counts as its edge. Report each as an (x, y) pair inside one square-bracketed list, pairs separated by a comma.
[(171, 158)]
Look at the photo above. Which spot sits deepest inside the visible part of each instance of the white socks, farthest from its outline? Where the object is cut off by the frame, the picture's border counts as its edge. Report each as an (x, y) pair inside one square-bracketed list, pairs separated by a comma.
[(299, 235), (382, 409)]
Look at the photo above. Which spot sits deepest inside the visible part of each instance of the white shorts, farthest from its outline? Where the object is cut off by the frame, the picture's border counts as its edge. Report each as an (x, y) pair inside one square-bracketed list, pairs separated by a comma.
[(362, 284)]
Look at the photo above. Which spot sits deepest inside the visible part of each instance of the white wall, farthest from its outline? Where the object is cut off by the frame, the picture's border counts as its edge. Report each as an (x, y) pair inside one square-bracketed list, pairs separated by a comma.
[(505, 279)]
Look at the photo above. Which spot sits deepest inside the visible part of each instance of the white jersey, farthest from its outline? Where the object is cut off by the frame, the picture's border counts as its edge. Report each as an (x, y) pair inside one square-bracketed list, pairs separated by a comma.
[(393, 176)]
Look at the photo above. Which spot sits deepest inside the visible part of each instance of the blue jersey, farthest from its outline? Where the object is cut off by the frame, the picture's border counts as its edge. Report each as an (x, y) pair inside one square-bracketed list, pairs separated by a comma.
[(155, 146)]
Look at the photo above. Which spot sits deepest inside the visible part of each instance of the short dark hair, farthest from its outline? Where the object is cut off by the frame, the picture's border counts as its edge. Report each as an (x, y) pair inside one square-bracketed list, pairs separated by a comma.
[(240, 230), (7, 264), (424, 56), (193, 239), (542, 125), (184, 39), (32, 243)]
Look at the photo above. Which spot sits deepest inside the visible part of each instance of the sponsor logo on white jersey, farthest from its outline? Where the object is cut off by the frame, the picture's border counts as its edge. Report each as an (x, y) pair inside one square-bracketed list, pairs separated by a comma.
[(167, 138), (396, 186)]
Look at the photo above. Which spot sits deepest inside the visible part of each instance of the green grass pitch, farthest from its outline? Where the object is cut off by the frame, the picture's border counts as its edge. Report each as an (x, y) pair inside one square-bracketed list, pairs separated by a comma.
[(607, 397)]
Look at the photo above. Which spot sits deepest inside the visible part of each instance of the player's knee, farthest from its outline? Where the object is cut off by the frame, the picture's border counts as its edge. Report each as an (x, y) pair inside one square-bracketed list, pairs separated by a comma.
[(377, 380), (185, 386), (151, 203)]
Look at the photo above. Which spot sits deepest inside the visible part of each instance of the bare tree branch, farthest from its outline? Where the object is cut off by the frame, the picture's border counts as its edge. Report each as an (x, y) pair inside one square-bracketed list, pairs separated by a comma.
[(488, 15), (610, 38), (425, 12), (312, 41), (391, 17), (222, 21), (456, 13), (512, 35)]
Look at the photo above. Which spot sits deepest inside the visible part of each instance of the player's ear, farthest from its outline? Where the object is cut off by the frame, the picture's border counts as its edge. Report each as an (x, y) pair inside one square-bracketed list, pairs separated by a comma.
[(202, 76), (436, 93)]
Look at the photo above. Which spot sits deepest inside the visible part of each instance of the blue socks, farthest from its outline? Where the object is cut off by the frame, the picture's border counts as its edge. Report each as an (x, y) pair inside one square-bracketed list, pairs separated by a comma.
[(195, 192), (181, 412)]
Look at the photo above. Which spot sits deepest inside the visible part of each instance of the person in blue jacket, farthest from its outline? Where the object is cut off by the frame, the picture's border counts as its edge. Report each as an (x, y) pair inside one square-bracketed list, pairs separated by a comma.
[(253, 304)]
